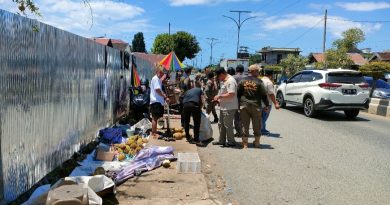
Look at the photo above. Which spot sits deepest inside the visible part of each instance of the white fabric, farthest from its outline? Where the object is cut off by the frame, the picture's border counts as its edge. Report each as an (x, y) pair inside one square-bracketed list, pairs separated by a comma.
[(269, 87), (205, 131), (154, 96), (228, 86)]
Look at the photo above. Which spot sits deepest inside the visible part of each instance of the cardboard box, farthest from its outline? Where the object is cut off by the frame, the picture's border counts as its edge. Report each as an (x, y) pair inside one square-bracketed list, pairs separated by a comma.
[(105, 153)]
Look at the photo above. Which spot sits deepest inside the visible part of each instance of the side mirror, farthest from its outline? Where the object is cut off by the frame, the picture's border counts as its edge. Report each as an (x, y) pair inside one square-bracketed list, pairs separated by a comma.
[(285, 81)]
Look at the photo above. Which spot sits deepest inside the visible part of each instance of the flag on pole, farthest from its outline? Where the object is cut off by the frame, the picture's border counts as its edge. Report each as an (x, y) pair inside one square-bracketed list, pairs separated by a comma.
[(135, 81)]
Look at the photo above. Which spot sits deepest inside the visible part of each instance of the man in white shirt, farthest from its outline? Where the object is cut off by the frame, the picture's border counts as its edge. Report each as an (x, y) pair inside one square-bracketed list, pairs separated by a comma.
[(269, 87), (157, 99), (228, 103)]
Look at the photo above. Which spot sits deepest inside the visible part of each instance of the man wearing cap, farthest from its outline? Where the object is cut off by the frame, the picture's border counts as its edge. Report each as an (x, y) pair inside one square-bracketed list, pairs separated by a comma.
[(269, 87), (228, 103), (252, 96)]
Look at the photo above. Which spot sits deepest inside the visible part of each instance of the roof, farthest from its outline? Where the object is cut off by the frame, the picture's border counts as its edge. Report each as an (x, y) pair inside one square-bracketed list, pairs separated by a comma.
[(331, 70), (153, 58), (272, 49), (357, 58), (381, 56), (115, 43)]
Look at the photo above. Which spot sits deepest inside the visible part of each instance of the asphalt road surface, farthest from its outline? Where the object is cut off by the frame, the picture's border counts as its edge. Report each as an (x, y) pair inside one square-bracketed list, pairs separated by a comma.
[(322, 160)]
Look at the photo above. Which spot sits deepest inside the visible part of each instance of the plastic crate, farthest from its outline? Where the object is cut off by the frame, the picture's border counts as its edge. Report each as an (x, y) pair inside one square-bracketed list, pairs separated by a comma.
[(188, 163)]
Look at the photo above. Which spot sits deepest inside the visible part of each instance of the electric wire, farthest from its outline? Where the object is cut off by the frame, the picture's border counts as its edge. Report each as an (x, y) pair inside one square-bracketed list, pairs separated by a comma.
[(357, 21), (305, 32)]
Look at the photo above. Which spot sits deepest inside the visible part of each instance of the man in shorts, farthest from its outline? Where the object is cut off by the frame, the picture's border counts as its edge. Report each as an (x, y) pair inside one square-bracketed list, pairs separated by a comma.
[(157, 99)]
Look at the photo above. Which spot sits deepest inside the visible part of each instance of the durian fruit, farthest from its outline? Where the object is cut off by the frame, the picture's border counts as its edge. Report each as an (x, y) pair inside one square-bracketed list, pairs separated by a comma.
[(138, 149), (132, 152), (127, 150), (120, 150), (179, 135), (180, 129), (121, 157), (132, 137), (144, 140), (133, 146), (140, 141), (130, 141)]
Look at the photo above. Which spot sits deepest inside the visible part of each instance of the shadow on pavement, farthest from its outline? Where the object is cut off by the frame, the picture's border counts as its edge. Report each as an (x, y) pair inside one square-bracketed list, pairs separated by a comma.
[(275, 135), (327, 115)]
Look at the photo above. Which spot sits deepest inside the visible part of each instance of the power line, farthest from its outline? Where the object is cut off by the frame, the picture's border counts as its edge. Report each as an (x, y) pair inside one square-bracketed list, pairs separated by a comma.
[(304, 33), (357, 21), (281, 10)]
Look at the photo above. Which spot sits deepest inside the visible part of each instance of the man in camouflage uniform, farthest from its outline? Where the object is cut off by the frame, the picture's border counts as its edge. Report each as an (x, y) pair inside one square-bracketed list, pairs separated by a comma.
[(253, 99), (211, 90)]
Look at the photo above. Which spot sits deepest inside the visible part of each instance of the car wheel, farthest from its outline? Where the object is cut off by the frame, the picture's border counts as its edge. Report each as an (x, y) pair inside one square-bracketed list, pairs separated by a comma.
[(280, 99), (351, 114), (308, 107)]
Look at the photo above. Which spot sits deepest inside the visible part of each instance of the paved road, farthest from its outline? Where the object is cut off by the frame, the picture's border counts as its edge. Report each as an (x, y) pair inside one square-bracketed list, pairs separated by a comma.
[(326, 160)]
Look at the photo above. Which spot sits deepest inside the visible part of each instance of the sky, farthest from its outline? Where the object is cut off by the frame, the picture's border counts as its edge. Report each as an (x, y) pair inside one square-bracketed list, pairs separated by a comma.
[(276, 23)]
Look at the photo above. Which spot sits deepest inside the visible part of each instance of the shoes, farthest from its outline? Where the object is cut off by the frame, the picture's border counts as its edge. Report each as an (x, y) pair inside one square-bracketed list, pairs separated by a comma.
[(218, 143), (191, 140), (229, 145), (200, 144)]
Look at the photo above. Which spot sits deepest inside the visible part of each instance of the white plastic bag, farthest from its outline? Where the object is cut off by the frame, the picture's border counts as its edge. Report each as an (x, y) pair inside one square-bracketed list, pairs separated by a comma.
[(206, 131)]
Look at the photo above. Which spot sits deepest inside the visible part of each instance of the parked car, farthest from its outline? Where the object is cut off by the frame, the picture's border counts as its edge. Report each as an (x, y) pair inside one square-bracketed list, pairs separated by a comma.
[(382, 89), (331, 89)]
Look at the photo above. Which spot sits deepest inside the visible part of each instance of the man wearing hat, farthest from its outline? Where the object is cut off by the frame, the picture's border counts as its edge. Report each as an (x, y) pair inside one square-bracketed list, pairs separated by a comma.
[(253, 99)]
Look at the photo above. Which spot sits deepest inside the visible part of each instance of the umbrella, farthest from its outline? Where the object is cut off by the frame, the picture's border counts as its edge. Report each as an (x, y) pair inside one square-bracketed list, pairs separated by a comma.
[(171, 62)]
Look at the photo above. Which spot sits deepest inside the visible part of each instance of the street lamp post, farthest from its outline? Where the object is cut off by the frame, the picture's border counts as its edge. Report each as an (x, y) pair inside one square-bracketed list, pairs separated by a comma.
[(212, 43), (239, 24)]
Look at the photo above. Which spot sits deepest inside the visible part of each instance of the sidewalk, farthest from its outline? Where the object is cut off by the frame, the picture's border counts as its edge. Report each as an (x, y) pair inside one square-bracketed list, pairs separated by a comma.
[(164, 185)]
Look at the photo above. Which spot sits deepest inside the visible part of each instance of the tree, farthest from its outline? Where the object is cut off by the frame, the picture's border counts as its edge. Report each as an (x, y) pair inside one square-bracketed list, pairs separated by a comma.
[(376, 70), (293, 64), (138, 43), (254, 59), (351, 38), (184, 44), (337, 56)]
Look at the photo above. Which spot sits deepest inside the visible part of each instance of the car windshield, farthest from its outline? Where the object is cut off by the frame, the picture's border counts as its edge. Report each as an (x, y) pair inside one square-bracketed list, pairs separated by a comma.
[(345, 77), (382, 84)]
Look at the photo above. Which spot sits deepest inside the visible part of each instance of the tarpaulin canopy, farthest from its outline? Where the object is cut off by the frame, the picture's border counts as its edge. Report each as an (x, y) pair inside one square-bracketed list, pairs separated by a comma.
[(171, 62)]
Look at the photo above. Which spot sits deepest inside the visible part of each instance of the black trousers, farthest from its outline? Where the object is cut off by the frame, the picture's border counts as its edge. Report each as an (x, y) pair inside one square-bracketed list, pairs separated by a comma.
[(194, 110)]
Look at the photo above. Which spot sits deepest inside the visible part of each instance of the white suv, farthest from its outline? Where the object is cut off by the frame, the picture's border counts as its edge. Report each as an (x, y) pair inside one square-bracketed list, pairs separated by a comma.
[(331, 89)]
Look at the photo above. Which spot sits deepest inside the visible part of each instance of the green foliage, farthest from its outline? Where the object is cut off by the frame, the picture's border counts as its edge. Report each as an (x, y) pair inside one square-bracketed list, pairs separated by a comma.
[(254, 59), (351, 38), (337, 58), (138, 43), (27, 5), (293, 64), (375, 69), (275, 68), (184, 44)]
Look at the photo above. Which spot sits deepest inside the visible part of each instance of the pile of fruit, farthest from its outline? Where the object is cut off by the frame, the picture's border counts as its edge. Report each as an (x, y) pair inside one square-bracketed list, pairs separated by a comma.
[(178, 133), (133, 145)]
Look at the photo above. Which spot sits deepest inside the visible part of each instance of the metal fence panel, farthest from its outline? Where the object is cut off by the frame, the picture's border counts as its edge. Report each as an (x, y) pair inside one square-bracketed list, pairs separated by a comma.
[(56, 90)]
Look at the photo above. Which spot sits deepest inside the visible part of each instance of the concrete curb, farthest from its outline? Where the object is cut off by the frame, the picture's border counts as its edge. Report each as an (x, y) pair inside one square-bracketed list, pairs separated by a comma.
[(380, 107)]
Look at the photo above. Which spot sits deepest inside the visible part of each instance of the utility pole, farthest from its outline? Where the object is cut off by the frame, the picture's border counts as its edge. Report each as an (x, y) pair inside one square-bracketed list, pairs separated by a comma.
[(239, 24), (211, 43), (324, 41)]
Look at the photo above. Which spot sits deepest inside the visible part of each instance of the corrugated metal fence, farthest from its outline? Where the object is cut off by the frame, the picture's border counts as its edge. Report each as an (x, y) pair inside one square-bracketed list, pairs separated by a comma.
[(56, 90)]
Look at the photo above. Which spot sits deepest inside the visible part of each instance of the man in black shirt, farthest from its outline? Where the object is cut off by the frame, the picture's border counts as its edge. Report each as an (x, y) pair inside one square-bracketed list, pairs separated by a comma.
[(192, 104)]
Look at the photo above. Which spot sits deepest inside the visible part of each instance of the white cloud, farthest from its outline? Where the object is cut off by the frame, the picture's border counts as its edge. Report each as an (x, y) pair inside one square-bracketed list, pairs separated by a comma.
[(202, 2), (336, 24), (363, 6), (110, 17)]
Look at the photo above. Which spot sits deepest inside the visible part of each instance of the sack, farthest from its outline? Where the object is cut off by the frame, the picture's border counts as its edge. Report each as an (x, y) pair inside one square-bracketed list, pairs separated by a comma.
[(205, 131)]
